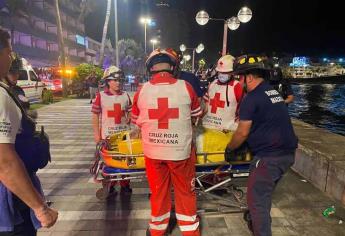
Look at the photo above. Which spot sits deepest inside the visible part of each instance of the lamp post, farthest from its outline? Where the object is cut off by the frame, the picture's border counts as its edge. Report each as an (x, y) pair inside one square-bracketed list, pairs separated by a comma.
[(116, 35), (154, 42), (243, 16), (198, 49), (145, 21), (186, 58)]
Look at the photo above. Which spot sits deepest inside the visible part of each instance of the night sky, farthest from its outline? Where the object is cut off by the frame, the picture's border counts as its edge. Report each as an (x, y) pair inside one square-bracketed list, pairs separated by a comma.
[(303, 28)]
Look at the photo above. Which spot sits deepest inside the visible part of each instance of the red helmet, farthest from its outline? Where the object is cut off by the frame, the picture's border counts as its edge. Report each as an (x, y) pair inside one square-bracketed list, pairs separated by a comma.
[(160, 56), (177, 55)]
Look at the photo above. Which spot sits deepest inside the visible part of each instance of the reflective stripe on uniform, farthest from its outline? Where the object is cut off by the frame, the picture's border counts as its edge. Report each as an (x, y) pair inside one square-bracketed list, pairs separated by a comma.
[(192, 227), (160, 218), (185, 217), (158, 227)]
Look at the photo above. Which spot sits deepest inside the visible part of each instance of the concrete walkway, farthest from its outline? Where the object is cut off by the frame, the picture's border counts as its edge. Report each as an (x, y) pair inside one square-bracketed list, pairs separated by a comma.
[(297, 205)]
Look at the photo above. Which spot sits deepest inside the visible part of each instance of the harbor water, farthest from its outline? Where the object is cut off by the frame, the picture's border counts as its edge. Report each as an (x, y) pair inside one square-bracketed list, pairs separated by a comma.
[(322, 105)]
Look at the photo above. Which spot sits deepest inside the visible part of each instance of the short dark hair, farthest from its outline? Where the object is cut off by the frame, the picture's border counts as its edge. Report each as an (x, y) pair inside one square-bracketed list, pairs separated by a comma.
[(4, 37), (258, 73)]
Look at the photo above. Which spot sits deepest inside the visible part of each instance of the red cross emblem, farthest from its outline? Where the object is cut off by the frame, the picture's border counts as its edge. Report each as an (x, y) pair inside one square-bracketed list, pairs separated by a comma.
[(117, 113), (163, 113), (216, 102)]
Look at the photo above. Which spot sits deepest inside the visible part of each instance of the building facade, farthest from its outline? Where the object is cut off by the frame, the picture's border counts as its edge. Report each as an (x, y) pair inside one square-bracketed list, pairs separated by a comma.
[(35, 36)]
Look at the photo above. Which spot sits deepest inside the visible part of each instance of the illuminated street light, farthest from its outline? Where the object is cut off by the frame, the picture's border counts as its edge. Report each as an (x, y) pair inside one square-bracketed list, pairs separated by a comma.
[(233, 23), (202, 17), (198, 49), (187, 57), (145, 21), (154, 42), (243, 16), (183, 47)]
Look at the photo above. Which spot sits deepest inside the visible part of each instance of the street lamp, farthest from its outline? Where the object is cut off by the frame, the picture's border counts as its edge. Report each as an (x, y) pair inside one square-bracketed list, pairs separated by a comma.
[(186, 57), (243, 16), (198, 49), (153, 41), (145, 21), (116, 35)]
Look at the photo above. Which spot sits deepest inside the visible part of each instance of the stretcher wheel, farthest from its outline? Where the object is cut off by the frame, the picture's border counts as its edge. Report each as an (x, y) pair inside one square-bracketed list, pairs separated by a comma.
[(102, 193), (238, 193), (105, 192)]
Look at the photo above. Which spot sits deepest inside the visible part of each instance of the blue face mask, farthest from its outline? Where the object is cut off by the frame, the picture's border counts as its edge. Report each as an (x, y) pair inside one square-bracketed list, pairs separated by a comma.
[(223, 78)]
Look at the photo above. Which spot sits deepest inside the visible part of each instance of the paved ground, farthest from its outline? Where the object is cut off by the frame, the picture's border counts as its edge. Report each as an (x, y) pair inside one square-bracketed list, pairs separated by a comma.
[(297, 205)]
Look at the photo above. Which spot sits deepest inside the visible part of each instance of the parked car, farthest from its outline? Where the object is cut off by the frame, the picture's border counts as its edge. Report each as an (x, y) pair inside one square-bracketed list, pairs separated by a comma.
[(55, 85)]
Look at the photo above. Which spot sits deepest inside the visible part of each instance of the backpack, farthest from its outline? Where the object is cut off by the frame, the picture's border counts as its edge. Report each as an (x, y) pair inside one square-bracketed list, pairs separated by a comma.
[(32, 146)]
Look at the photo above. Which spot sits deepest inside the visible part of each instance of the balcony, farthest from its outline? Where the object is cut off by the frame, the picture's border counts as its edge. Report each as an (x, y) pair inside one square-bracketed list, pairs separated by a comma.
[(29, 30), (48, 16), (36, 53), (90, 52)]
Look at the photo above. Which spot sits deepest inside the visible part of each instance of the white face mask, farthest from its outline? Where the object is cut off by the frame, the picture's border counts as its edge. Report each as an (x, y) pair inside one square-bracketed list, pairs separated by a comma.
[(223, 78)]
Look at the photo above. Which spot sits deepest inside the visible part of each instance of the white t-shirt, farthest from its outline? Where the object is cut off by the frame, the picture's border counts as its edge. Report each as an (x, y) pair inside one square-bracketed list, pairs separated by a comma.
[(10, 118)]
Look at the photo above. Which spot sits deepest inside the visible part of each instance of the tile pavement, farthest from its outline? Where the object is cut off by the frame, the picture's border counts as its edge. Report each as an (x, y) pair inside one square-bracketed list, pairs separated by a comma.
[(297, 205)]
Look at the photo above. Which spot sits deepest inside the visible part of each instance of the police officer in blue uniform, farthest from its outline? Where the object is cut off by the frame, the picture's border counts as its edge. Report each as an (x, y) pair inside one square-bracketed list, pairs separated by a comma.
[(266, 126)]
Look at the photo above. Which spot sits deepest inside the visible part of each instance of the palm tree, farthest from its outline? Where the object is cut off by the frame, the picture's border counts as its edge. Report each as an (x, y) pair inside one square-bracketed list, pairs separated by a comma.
[(105, 30), (62, 56), (86, 7), (131, 56), (60, 35)]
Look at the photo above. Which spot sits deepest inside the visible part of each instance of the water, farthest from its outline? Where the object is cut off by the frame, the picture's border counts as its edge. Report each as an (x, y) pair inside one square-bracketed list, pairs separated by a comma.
[(322, 105)]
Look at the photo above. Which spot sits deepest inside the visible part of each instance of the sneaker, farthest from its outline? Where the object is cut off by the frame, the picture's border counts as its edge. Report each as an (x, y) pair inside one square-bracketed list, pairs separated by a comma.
[(126, 190)]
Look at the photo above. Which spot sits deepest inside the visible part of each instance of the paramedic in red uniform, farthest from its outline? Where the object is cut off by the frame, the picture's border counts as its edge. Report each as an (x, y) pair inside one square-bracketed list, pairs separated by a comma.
[(111, 111), (163, 108), (223, 98)]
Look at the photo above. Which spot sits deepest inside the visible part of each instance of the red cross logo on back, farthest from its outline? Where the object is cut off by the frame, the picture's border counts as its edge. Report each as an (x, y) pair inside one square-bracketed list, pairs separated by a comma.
[(117, 113), (163, 113), (216, 102)]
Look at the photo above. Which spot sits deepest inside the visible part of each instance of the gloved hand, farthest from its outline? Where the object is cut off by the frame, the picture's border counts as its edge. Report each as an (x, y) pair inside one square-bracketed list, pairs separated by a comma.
[(239, 154), (230, 155)]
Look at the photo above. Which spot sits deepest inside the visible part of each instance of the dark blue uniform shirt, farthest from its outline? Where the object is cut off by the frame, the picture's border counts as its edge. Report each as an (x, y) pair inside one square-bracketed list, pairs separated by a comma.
[(271, 133), (193, 80)]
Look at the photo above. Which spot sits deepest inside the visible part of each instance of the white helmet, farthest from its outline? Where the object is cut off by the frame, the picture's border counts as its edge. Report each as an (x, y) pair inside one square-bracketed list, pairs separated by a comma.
[(113, 72), (225, 64)]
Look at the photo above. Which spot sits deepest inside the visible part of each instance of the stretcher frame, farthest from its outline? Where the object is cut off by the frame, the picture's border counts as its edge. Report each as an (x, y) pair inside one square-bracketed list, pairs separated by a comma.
[(228, 171)]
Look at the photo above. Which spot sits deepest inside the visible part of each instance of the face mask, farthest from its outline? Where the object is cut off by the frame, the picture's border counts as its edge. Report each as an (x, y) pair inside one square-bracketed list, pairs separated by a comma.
[(223, 78)]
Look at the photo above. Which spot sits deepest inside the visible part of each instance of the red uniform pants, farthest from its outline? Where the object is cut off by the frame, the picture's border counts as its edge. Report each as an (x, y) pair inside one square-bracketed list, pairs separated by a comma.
[(162, 175)]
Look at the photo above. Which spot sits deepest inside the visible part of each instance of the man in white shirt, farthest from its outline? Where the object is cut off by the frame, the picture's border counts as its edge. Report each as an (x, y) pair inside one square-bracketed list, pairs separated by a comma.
[(14, 179)]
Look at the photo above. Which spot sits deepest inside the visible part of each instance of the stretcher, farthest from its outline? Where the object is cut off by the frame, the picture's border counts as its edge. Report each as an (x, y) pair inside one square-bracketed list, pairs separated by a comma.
[(215, 177)]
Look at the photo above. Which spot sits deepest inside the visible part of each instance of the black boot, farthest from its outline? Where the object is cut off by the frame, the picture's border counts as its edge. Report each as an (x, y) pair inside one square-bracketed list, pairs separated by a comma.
[(248, 219)]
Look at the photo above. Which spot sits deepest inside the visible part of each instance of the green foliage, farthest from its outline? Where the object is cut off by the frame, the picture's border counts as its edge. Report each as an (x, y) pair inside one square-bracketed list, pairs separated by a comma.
[(47, 97), (131, 56), (84, 70)]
